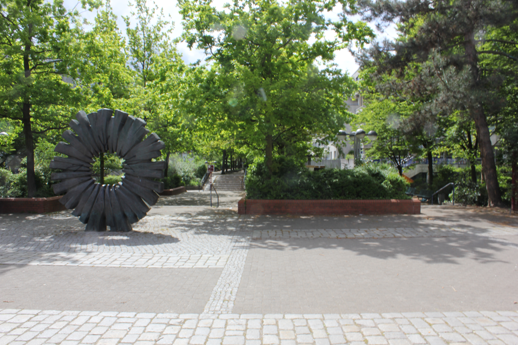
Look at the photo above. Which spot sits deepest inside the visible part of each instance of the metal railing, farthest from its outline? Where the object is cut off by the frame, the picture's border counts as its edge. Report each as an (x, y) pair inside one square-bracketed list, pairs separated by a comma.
[(453, 197), (212, 187), (205, 178)]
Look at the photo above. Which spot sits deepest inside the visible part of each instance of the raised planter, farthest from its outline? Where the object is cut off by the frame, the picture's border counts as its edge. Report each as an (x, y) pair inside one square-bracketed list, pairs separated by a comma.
[(328, 207), (174, 191), (31, 205)]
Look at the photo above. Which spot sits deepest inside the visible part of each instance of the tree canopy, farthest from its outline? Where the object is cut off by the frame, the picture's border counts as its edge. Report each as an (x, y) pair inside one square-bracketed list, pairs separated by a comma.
[(263, 85), (442, 45)]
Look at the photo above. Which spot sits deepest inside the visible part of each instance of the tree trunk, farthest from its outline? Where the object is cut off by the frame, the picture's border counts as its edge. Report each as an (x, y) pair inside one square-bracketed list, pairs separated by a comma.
[(223, 161), (430, 168), (269, 153), (29, 146), (484, 139), (400, 169), (488, 159), (26, 120)]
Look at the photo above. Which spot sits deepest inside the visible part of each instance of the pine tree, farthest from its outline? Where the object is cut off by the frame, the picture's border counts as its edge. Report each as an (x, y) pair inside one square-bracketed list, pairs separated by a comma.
[(449, 37)]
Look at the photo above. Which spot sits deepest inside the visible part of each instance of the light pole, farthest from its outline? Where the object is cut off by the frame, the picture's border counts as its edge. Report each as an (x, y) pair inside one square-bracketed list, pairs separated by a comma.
[(358, 135)]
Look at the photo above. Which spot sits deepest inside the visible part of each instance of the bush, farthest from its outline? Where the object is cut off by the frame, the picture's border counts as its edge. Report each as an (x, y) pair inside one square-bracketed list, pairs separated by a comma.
[(112, 179), (292, 180), (173, 181), (466, 192), (187, 167), (200, 171), (15, 185)]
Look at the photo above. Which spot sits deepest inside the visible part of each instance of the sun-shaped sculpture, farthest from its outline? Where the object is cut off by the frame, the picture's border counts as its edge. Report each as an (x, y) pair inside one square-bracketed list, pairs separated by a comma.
[(117, 206)]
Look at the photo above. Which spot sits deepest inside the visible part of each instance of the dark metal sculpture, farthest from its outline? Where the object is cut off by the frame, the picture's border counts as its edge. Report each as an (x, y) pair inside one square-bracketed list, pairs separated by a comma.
[(117, 206)]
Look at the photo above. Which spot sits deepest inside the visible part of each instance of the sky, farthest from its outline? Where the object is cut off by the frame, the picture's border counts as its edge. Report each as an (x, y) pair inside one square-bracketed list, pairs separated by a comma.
[(343, 58)]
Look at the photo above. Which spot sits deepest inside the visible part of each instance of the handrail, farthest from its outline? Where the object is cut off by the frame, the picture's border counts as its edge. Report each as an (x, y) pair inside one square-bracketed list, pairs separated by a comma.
[(205, 178), (452, 184), (212, 187)]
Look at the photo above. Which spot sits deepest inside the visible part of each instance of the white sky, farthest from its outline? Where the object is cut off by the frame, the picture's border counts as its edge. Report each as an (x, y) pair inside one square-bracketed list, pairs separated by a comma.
[(343, 58)]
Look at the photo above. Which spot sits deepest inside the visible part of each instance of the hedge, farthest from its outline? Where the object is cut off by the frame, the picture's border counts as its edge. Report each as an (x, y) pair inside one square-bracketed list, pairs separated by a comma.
[(291, 180)]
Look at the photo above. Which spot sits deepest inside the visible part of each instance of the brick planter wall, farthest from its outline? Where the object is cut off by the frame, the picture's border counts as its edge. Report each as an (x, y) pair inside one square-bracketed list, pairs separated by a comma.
[(328, 207), (31, 205), (174, 191)]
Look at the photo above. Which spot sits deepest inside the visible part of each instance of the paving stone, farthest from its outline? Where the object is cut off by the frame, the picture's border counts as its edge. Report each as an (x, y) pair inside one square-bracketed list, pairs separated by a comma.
[(167, 243)]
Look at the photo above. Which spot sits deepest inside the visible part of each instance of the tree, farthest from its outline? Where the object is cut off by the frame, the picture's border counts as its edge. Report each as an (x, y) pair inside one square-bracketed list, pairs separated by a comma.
[(400, 115), (100, 64), (384, 117), (461, 141), (158, 75), (35, 44), (450, 35), (263, 85)]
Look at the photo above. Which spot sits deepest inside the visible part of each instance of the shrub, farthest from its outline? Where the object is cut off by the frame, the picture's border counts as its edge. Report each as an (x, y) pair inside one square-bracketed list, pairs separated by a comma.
[(291, 180), (466, 192), (15, 185), (173, 181), (112, 179), (187, 167), (200, 171)]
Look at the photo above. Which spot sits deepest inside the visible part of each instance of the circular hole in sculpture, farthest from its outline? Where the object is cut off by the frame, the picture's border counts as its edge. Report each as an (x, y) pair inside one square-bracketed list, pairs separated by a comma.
[(111, 165)]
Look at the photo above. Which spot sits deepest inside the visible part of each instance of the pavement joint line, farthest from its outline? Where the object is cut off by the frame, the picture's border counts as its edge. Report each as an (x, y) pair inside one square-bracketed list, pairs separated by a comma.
[(24, 326)]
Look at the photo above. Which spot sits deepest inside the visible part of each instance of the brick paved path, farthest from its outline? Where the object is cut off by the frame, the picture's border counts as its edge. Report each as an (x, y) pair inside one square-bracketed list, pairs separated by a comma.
[(90, 327), (214, 264)]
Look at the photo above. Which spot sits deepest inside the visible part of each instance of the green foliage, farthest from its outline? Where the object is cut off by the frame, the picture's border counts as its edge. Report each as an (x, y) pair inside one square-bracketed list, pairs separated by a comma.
[(37, 40), (466, 191), (264, 89), (15, 185), (291, 180), (185, 170), (173, 181), (113, 165), (201, 171), (112, 179), (505, 182)]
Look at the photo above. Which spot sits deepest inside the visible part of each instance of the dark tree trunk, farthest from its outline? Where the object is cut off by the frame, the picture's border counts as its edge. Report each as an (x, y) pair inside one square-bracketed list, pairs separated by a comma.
[(27, 128), (484, 139), (430, 168), (223, 162), (29, 146), (400, 169), (269, 153)]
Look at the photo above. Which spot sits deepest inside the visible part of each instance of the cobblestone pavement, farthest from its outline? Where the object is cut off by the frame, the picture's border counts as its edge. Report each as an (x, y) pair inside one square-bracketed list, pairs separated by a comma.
[(90, 327), (158, 241), (255, 264)]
